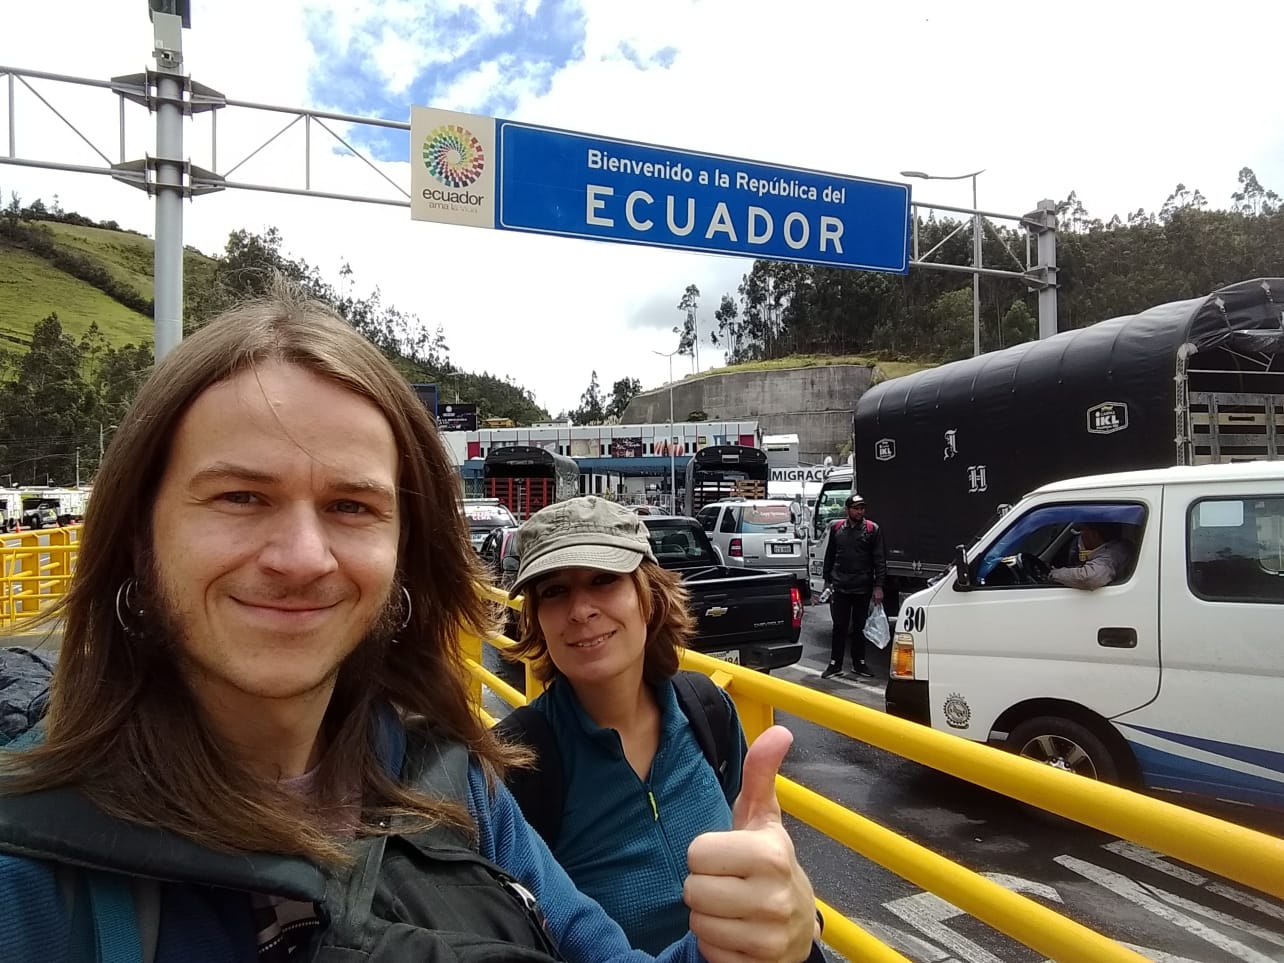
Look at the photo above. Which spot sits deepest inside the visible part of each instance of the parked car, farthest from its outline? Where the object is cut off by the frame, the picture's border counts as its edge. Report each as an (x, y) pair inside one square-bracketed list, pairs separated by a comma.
[(758, 533), (484, 516), (497, 545)]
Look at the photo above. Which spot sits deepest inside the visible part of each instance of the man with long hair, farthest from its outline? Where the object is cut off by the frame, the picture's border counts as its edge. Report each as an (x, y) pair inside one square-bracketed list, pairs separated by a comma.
[(259, 743)]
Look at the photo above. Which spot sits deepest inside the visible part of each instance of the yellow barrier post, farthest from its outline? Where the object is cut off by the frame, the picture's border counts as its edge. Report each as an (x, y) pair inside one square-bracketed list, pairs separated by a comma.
[(756, 716), (471, 647)]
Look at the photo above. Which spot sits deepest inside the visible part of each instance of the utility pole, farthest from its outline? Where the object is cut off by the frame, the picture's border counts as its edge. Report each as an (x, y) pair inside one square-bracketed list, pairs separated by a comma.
[(673, 470), (169, 17)]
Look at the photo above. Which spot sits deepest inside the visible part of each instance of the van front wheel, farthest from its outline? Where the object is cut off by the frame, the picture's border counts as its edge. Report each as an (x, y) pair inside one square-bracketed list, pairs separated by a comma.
[(1065, 744)]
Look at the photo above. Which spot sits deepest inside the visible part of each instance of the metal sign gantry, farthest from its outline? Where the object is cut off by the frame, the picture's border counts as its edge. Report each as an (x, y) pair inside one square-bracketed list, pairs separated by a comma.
[(170, 178)]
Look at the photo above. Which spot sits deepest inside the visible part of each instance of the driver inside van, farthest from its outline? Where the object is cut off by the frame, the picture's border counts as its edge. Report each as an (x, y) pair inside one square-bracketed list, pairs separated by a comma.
[(1104, 557)]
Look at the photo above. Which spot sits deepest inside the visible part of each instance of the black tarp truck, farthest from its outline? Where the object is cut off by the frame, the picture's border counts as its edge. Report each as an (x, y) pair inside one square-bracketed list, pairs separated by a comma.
[(940, 453)]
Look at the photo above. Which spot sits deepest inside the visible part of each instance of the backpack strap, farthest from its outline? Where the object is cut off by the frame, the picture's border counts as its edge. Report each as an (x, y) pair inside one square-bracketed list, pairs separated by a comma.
[(540, 791), (116, 935), (117, 915), (704, 705)]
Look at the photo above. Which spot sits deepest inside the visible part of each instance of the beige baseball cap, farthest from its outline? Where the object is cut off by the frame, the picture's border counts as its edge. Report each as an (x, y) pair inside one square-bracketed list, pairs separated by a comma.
[(584, 532)]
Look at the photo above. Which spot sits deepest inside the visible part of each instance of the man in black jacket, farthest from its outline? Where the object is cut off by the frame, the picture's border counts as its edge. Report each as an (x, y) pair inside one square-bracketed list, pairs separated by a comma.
[(855, 569)]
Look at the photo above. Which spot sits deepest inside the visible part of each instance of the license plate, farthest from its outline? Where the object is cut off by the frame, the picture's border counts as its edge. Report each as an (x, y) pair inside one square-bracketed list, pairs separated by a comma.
[(732, 656), (782, 550)]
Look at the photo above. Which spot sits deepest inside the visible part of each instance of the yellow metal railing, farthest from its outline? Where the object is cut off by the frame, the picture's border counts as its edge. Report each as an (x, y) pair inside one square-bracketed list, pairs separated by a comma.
[(1240, 854), (35, 570), (37, 567)]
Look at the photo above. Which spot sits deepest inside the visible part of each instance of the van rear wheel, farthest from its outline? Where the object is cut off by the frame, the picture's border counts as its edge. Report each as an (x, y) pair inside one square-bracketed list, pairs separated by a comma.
[(1065, 744)]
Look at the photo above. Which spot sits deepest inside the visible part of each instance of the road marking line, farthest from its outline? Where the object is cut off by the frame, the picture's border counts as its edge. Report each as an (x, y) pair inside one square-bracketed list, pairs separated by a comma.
[(927, 913), (1247, 899), (1217, 916), (850, 683), (1133, 892), (1152, 859), (1157, 956)]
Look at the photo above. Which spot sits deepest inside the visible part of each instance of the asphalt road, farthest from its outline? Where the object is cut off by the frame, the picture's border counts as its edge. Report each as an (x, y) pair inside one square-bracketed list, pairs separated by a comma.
[(1167, 911)]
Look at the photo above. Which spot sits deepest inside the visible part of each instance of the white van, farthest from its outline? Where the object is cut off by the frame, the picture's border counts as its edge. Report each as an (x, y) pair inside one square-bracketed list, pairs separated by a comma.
[(1170, 677)]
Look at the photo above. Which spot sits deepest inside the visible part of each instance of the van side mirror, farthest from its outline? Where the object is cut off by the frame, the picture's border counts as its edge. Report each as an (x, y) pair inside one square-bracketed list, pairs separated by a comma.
[(962, 577), (510, 564), (717, 553)]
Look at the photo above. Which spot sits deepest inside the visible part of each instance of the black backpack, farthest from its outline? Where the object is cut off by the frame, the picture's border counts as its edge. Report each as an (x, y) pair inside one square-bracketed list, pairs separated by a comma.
[(541, 790), (424, 896)]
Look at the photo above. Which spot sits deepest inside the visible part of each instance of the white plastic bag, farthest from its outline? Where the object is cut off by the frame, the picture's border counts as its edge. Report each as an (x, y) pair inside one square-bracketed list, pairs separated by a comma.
[(876, 628)]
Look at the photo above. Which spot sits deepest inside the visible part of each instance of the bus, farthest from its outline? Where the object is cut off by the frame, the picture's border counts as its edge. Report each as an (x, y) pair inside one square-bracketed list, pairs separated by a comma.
[(720, 472), (831, 506), (525, 479)]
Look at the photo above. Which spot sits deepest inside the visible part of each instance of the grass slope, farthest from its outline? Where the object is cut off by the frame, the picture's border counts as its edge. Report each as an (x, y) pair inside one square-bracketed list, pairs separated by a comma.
[(31, 289), (127, 257), (889, 369)]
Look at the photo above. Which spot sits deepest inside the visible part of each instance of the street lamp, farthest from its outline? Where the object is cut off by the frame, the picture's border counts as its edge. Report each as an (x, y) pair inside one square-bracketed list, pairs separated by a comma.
[(673, 471), (976, 248)]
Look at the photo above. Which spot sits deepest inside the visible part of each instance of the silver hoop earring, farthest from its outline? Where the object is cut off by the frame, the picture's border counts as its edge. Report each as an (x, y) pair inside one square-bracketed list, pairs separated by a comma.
[(123, 596), (409, 609)]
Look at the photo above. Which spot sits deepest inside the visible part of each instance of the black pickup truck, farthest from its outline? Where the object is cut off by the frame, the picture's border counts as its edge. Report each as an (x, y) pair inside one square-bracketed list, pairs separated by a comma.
[(746, 616)]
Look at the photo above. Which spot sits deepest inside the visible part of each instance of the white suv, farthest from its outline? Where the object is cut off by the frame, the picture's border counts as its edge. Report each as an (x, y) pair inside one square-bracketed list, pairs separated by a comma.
[(757, 533)]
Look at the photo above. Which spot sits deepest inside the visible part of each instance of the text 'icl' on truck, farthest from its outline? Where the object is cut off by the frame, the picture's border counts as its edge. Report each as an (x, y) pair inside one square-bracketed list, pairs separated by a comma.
[(1157, 666), (939, 454)]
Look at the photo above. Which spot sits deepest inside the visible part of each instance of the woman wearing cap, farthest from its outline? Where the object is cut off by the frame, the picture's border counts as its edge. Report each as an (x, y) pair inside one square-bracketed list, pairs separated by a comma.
[(602, 625)]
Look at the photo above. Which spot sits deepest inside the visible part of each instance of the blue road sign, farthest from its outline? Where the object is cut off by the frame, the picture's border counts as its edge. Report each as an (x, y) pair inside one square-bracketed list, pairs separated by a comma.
[(558, 182), (485, 172)]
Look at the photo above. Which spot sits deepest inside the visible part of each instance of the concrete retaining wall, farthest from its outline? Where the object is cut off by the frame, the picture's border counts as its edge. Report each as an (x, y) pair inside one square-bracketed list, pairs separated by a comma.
[(814, 403)]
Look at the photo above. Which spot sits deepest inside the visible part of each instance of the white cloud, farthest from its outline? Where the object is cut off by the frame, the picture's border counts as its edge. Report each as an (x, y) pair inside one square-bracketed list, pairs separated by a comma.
[(1117, 101)]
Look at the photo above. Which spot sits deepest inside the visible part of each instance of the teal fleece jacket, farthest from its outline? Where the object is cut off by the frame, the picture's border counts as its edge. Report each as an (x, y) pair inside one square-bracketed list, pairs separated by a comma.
[(623, 840)]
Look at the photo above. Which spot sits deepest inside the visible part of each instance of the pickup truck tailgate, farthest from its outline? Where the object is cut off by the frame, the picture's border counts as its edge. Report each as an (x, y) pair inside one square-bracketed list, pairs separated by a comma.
[(748, 611)]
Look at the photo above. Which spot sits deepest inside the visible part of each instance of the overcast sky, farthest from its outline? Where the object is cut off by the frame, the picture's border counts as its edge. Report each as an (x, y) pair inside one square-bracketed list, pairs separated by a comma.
[(1118, 101)]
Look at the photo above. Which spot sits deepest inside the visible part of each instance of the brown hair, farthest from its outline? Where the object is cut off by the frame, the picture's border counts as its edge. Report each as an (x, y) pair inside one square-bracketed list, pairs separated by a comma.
[(122, 724), (669, 625)]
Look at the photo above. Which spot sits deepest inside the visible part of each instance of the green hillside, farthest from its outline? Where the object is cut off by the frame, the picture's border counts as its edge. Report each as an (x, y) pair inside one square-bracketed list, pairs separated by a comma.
[(31, 289), (128, 257), (81, 272)]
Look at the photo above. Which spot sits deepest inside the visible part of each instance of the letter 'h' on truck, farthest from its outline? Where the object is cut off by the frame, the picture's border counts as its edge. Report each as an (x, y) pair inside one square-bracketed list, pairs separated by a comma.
[(940, 453), (1122, 619)]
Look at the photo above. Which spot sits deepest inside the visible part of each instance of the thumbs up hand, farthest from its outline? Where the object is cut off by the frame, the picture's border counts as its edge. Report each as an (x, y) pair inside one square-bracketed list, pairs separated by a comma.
[(749, 898)]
